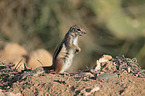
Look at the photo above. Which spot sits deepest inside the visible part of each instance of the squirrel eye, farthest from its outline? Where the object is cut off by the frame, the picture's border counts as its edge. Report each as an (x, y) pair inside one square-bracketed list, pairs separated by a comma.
[(78, 29)]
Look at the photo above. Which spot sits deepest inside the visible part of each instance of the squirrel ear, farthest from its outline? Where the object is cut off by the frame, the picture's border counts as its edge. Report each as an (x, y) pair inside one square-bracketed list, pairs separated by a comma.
[(71, 29)]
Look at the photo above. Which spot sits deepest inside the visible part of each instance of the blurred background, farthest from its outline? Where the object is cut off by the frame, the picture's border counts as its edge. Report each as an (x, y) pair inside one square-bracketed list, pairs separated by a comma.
[(114, 27)]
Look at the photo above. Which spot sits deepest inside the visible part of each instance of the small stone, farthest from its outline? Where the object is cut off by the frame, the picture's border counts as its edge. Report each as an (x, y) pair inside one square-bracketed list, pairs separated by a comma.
[(107, 76)]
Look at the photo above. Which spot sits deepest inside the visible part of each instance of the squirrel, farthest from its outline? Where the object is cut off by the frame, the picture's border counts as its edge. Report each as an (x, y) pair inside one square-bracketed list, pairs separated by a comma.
[(63, 56)]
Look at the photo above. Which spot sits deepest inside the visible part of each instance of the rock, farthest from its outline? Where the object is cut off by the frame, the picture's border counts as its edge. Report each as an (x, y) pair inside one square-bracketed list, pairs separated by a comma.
[(107, 76), (105, 58)]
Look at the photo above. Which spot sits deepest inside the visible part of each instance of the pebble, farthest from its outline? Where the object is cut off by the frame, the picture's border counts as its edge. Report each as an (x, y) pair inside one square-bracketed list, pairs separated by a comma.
[(107, 76)]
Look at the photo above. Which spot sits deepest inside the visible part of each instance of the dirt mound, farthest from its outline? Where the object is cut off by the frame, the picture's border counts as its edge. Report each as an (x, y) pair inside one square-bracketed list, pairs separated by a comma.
[(54, 84), (39, 57), (15, 53), (123, 79)]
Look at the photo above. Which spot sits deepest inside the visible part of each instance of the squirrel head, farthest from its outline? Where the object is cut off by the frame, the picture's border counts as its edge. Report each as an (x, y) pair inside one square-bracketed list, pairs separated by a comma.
[(76, 30)]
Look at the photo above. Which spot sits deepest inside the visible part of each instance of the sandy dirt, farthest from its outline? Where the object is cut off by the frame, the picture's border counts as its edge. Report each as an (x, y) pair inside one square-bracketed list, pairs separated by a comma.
[(54, 84), (121, 83)]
